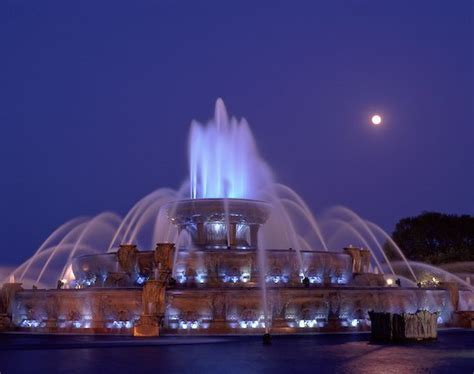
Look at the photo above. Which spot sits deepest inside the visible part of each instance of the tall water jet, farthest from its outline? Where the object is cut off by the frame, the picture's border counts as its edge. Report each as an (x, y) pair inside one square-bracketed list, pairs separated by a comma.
[(224, 161)]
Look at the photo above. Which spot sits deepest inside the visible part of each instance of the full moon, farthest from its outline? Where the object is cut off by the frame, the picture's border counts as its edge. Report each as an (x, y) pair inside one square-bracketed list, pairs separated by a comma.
[(376, 120)]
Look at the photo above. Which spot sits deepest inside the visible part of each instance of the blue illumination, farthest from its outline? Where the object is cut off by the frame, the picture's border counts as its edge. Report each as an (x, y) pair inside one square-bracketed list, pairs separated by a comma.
[(251, 324), (230, 279), (185, 325), (181, 278), (224, 160), (201, 278), (310, 323), (276, 279), (141, 279), (313, 279), (120, 324), (245, 277), (29, 323)]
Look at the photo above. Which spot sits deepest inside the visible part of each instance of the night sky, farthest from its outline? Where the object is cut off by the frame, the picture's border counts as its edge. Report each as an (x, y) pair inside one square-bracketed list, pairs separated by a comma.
[(96, 99)]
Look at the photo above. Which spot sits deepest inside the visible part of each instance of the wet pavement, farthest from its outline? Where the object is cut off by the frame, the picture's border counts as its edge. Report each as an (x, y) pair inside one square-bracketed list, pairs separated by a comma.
[(453, 352)]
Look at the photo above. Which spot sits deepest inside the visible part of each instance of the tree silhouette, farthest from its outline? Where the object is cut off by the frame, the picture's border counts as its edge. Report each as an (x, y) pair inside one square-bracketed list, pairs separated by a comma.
[(435, 238)]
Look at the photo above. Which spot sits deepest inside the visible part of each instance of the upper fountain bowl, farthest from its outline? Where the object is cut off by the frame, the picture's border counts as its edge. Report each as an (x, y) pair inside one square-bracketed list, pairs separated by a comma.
[(220, 223)]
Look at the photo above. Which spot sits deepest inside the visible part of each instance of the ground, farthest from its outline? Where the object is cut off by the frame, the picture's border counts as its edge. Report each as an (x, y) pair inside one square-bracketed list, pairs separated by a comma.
[(453, 352)]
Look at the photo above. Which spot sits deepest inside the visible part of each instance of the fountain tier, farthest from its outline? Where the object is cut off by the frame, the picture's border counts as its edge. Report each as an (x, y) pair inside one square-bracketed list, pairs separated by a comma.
[(220, 223)]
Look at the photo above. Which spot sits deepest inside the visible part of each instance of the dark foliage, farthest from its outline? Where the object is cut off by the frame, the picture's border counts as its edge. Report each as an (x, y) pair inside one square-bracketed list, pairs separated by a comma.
[(435, 238)]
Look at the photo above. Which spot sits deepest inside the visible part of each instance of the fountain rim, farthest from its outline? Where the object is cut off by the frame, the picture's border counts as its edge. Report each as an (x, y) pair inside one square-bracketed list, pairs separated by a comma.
[(185, 209), (240, 252), (215, 199)]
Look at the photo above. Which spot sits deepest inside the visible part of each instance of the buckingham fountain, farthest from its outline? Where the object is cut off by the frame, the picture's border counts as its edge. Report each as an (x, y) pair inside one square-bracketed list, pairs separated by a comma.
[(230, 252)]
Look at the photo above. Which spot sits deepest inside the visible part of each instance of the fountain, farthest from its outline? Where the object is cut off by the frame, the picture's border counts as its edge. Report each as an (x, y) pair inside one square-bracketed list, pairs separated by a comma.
[(237, 253)]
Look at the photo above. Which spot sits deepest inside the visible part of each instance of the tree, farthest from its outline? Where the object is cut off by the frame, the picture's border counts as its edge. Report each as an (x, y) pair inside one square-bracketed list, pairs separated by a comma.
[(435, 237)]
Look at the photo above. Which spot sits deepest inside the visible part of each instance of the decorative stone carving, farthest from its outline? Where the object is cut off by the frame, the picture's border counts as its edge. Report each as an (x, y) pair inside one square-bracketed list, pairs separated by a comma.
[(147, 325), (218, 306), (164, 253), (365, 260), (453, 290), (464, 319), (369, 279), (5, 322), (145, 266), (356, 258), (210, 226), (152, 297), (127, 257), (7, 294), (115, 279), (153, 307), (406, 326)]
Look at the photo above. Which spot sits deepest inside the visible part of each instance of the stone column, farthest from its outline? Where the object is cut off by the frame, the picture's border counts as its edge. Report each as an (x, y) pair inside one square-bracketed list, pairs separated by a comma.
[(219, 306), (355, 253), (334, 308), (7, 294), (200, 235), (153, 299), (365, 260), (232, 234), (453, 291), (164, 258), (154, 293), (127, 257), (254, 235)]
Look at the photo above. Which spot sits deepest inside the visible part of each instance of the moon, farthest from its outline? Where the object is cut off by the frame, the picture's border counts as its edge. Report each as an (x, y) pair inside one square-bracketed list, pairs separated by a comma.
[(376, 120)]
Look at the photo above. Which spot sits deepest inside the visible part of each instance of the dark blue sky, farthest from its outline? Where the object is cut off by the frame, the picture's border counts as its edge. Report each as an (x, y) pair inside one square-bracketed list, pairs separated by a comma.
[(97, 98)]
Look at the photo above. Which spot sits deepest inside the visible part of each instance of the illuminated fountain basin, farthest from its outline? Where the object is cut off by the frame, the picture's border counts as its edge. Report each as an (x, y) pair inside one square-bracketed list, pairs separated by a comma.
[(220, 268), (219, 292), (243, 266), (220, 223), (205, 310)]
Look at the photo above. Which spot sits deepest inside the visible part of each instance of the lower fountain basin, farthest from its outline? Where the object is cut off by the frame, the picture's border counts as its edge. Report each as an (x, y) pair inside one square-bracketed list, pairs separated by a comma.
[(217, 311)]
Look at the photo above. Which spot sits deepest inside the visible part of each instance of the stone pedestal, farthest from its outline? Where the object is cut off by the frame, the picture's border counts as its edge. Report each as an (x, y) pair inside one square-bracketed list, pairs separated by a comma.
[(334, 322), (369, 279), (200, 235), (356, 258), (421, 325), (154, 292), (97, 324), (50, 324), (147, 325), (117, 279), (153, 309), (453, 290), (127, 257), (365, 260), (164, 256), (5, 322), (7, 294), (360, 259), (464, 319), (381, 326)]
